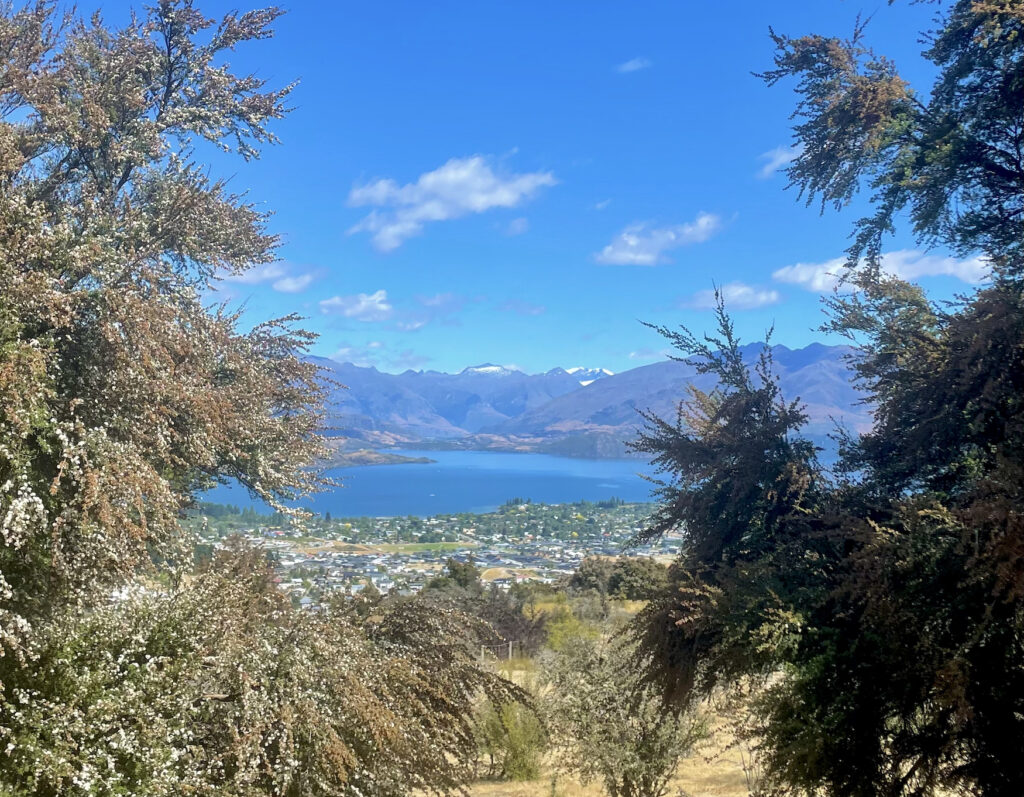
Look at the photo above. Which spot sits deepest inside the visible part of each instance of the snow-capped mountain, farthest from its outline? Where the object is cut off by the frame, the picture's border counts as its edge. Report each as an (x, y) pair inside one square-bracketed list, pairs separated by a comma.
[(576, 411), (586, 376), (490, 369), (452, 405)]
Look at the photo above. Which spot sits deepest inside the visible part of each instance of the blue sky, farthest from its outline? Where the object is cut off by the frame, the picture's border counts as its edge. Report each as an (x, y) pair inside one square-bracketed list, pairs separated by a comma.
[(523, 183)]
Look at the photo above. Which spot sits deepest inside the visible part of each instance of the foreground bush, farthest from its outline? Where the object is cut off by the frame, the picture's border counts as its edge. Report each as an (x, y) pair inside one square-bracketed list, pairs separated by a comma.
[(607, 727), (513, 739), (123, 396), (221, 687)]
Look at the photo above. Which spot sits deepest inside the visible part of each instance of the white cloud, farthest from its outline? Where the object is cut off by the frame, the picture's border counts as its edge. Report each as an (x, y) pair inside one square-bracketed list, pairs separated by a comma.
[(460, 187), (910, 265), (778, 158), (257, 274), (644, 245), (443, 308), (358, 355), (737, 296), (277, 273), (602, 204), (294, 284), (818, 277), (517, 226), (906, 264), (634, 65), (361, 306)]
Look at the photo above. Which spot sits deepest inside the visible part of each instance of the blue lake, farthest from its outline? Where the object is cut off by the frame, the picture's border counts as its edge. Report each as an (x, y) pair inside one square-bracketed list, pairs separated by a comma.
[(468, 481)]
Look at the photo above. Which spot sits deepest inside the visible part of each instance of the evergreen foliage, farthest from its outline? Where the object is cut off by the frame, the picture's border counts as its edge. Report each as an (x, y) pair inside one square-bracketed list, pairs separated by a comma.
[(882, 607), (626, 578), (123, 396), (513, 739), (606, 727)]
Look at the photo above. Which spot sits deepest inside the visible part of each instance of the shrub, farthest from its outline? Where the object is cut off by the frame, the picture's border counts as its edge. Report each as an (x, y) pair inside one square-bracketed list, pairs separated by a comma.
[(607, 726), (513, 738)]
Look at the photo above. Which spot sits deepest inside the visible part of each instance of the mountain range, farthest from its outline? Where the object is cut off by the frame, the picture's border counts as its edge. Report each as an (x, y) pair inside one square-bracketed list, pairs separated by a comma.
[(575, 411)]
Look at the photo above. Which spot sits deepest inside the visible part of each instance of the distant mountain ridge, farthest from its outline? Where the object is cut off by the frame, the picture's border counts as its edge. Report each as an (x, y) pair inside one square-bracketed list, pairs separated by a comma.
[(588, 375), (576, 411)]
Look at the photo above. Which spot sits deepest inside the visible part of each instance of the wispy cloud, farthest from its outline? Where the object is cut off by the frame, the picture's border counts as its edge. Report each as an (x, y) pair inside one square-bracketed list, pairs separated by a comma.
[(278, 274), (265, 272), (602, 204), (461, 187), (521, 308), (646, 353), (778, 158), (443, 307), (642, 244), (634, 65), (442, 302), (736, 295), (295, 284), (363, 355), (517, 226), (406, 316), (906, 264), (377, 354), (360, 306)]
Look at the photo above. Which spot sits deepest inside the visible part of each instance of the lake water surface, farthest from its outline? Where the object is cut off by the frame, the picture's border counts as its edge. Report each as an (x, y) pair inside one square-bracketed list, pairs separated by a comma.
[(469, 481)]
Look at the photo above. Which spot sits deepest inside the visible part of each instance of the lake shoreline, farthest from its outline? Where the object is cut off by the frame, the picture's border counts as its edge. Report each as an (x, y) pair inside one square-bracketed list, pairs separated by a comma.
[(466, 482)]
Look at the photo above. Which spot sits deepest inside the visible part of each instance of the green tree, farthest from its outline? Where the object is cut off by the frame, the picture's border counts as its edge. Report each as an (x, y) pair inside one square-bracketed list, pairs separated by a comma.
[(607, 727), (121, 394), (636, 578), (884, 611), (593, 573), (512, 619), (513, 739), (740, 483), (122, 397), (458, 575)]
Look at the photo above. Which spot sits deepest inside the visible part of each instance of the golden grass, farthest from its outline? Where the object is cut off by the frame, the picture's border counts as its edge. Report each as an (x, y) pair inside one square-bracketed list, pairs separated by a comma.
[(714, 769), (697, 777)]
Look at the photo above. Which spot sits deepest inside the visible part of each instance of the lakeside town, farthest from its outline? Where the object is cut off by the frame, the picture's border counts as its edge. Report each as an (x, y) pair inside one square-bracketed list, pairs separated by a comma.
[(521, 541)]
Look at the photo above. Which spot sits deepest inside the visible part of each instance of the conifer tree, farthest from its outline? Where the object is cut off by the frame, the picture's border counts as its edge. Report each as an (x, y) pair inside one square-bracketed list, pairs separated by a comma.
[(882, 610)]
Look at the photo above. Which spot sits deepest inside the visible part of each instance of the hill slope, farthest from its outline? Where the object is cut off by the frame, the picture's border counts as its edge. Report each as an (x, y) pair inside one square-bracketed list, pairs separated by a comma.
[(492, 407)]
